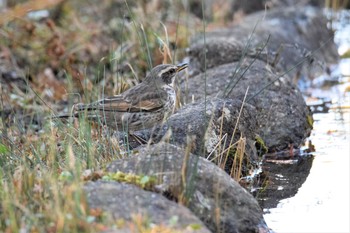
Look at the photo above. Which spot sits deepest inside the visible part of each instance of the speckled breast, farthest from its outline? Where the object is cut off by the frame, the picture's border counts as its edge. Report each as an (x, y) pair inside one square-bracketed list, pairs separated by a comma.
[(171, 100)]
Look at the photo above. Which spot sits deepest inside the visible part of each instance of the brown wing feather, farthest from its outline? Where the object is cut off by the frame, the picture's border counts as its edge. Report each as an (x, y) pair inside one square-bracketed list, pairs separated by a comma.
[(135, 99)]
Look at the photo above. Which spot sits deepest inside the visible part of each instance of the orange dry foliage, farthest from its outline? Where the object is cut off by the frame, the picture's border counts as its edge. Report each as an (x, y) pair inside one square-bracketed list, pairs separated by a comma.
[(21, 10)]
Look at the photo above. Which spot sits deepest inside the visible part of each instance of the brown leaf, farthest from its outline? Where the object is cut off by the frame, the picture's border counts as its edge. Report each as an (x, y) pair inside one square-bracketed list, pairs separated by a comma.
[(48, 85)]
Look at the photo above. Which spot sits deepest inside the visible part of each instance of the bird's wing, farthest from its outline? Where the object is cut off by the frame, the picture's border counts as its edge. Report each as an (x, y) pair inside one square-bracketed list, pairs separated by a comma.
[(137, 100), (148, 99)]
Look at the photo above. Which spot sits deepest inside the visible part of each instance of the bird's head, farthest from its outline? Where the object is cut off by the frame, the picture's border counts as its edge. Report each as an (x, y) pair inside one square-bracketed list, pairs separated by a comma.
[(165, 73)]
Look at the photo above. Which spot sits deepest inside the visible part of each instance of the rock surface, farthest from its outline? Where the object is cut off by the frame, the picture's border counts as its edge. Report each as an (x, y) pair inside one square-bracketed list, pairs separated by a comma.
[(286, 43), (206, 129), (220, 202), (242, 8), (280, 110), (124, 202), (290, 35)]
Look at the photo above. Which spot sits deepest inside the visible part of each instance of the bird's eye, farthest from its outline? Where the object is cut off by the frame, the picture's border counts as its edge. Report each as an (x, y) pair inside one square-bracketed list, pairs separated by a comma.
[(170, 72)]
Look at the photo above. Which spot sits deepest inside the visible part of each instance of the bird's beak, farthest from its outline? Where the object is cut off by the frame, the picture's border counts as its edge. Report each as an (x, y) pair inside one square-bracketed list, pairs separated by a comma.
[(181, 67)]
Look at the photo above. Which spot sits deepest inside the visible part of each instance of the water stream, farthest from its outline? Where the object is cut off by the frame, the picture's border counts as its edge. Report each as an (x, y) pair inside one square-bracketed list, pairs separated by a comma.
[(321, 204)]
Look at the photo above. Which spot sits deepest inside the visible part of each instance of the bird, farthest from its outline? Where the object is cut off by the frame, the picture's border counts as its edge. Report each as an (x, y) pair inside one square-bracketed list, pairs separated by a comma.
[(143, 106)]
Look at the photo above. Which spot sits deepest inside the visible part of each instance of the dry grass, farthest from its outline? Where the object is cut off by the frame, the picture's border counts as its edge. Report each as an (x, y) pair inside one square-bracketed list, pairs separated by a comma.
[(43, 165), (61, 62)]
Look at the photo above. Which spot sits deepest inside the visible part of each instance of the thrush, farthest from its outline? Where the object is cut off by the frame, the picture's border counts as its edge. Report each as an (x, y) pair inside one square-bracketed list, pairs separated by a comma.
[(143, 106)]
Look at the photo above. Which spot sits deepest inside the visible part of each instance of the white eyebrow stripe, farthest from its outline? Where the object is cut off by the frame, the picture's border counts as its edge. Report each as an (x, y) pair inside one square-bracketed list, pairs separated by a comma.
[(165, 70)]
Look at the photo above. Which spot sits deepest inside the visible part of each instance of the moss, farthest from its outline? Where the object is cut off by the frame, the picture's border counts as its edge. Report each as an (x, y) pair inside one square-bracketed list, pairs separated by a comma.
[(310, 120), (196, 226), (120, 223), (346, 54), (260, 146), (145, 182), (232, 152)]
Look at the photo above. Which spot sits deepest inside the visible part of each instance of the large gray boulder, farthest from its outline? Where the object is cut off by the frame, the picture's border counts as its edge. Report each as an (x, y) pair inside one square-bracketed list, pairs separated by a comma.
[(124, 202), (211, 194), (280, 110)]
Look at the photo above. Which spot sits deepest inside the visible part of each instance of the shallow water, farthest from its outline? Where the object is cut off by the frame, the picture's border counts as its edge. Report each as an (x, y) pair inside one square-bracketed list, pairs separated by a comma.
[(321, 204)]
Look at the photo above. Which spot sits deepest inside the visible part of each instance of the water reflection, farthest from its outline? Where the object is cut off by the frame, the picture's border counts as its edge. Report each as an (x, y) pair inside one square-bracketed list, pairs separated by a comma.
[(322, 202), (284, 179)]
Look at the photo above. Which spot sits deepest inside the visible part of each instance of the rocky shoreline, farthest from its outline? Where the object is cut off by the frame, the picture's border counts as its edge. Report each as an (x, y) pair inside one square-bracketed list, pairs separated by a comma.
[(239, 109), (240, 87)]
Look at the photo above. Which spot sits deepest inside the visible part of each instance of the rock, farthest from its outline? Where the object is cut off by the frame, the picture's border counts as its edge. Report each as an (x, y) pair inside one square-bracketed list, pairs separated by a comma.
[(216, 52), (206, 129), (248, 7), (242, 56), (125, 201), (197, 9), (258, 5), (280, 110), (219, 201), (291, 35)]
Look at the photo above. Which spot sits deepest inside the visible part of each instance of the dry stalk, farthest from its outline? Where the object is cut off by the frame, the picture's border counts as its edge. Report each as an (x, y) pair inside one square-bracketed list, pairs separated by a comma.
[(236, 168), (234, 130), (182, 198)]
